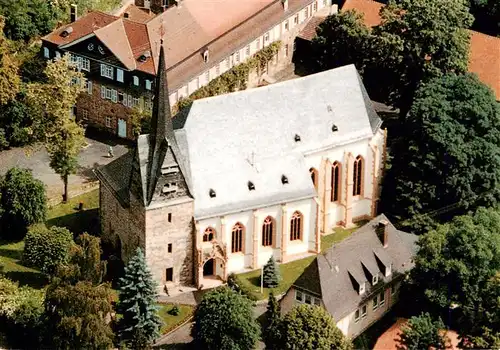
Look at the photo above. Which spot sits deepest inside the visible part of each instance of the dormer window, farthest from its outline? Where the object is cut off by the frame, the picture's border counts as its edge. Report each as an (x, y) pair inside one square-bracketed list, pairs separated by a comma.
[(335, 128), (284, 179), (211, 193), (144, 57), (297, 138), (388, 270), (205, 56), (362, 288), (375, 280), (67, 32), (169, 187), (251, 186)]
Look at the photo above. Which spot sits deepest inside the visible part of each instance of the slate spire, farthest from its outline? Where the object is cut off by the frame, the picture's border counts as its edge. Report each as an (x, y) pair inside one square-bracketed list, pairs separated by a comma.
[(162, 132)]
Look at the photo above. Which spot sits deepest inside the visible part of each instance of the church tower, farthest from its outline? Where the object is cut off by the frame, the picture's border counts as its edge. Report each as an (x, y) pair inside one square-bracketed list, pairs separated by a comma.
[(159, 183)]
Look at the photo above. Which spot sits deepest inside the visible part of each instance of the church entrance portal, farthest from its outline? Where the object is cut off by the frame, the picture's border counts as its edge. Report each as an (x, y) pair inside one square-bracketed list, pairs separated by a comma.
[(208, 268)]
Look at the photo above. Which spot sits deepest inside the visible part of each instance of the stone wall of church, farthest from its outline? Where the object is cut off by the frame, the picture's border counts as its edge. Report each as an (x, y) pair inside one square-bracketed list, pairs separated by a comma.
[(170, 242), (121, 227)]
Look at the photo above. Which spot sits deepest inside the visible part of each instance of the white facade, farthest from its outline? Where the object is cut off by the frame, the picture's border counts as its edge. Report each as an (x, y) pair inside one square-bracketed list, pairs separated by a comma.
[(320, 215), (279, 32)]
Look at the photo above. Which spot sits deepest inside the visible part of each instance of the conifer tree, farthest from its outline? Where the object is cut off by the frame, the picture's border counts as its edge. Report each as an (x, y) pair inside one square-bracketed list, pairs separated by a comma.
[(271, 333), (140, 324), (271, 273)]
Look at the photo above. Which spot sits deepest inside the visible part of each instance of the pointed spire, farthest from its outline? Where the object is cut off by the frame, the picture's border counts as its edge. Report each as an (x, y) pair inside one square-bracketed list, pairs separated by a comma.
[(162, 132)]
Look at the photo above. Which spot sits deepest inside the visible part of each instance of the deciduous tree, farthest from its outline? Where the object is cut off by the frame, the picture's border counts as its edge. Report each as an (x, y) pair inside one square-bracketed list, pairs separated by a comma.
[(422, 332), (457, 264), (418, 40), (311, 327), (450, 154), (9, 71), (224, 321), (140, 323), (54, 100), (23, 202)]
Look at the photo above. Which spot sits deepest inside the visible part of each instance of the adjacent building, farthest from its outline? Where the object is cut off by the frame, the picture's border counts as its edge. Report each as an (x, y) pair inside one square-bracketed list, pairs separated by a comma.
[(245, 176), (357, 280), (119, 53)]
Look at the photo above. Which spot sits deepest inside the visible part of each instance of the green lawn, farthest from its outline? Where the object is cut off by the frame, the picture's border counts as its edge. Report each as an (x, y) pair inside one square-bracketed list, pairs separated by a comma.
[(292, 270), (170, 321), (10, 262), (67, 215)]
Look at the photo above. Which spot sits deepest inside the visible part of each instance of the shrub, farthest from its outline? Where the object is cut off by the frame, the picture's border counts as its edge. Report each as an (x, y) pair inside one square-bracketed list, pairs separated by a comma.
[(235, 283), (21, 311), (23, 202), (224, 320), (271, 273), (311, 327), (174, 311), (46, 248)]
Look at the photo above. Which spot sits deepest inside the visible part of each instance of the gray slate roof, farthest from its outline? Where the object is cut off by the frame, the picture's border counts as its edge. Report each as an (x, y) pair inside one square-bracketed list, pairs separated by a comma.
[(244, 136), (336, 288)]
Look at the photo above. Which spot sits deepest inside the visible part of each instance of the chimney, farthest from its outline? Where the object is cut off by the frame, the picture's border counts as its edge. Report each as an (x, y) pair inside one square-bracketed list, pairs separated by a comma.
[(73, 13), (382, 232), (285, 4)]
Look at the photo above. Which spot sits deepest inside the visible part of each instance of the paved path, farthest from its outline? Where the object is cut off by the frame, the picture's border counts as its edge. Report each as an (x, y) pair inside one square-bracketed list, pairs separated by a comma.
[(94, 154)]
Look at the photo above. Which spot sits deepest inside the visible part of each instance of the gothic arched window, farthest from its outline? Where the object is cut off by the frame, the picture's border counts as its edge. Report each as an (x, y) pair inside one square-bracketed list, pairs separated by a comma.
[(209, 234), (267, 232), (237, 238), (335, 196), (296, 226), (357, 176), (314, 177)]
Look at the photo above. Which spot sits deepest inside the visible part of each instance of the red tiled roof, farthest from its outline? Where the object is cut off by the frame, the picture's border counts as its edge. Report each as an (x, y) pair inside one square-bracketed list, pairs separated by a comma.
[(309, 31), (369, 8), (137, 14), (484, 60), (220, 25)]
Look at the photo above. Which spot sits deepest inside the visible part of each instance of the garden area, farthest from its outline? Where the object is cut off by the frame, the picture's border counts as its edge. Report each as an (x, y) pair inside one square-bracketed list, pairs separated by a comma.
[(289, 272), (173, 315)]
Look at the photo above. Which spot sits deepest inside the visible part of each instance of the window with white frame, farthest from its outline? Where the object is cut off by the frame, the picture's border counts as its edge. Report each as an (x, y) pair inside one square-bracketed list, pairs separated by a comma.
[(356, 315), (375, 303), (73, 59), (136, 80), (363, 311), (257, 44), (119, 75), (381, 299), (85, 114), (315, 6), (135, 102), (374, 279), (298, 295), (296, 19), (302, 297), (88, 86), (84, 63), (106, 71), (266, 37), (227, 63), (308, 299), (237, 56), (109, 94), (58, 55), (247, 50), (286, 25), (46, 52), (148, 84), (108, 121)]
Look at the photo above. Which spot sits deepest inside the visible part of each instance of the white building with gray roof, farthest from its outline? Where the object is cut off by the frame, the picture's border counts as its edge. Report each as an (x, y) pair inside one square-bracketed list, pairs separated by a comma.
[(230, 185)]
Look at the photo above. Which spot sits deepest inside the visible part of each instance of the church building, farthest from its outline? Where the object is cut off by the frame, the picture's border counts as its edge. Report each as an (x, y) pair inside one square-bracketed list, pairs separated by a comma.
[(245, 176)]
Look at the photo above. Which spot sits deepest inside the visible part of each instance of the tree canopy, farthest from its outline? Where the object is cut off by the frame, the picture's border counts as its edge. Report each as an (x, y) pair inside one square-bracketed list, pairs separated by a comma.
[(9, 78), (23, 202), (450, 151), (224, 321), (457, 264), (311, 327), (422, 332), (53, 101)]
